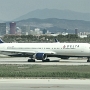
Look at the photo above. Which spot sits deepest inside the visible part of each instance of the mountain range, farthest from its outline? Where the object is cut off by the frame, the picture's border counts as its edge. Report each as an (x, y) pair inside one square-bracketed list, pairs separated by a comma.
[(56, 25), (56, 20), (55, 13)]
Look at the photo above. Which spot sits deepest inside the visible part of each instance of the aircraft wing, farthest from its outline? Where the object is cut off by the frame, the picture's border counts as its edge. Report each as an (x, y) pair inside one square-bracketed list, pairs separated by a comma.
[(47, 52), (27, 52)]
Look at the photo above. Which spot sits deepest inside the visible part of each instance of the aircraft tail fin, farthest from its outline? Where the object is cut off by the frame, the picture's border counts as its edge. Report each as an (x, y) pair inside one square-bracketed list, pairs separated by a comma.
[(56, 41), (1, 41)]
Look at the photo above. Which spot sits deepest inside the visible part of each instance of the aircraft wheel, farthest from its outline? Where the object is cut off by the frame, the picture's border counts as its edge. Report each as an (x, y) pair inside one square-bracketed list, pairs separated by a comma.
[(31, 60), (88, 60), (47, 60)]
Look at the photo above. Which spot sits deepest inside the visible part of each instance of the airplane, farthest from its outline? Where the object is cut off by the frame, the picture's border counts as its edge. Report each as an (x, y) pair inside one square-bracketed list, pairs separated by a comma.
[(41, 51)]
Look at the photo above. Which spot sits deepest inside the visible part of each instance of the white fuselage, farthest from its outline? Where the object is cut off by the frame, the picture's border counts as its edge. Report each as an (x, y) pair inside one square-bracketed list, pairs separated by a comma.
[(68, 49)]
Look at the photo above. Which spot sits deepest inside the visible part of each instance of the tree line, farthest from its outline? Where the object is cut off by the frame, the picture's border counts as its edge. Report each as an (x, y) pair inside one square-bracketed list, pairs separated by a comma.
[(44, 38)]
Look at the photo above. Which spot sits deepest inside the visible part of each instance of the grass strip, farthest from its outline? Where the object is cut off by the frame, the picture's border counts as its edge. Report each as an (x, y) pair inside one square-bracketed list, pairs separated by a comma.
[(45, 71)]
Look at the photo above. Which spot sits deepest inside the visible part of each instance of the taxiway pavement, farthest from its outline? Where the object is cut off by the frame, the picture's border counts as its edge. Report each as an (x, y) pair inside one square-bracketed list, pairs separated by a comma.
[(44, 84), (54, 61)]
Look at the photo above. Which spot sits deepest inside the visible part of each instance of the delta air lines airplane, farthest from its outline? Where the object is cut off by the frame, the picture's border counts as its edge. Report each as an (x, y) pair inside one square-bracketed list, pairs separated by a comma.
[(41, 51)]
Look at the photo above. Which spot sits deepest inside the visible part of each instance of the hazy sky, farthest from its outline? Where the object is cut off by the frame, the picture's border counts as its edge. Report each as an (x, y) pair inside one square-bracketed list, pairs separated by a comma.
[(11, 9)]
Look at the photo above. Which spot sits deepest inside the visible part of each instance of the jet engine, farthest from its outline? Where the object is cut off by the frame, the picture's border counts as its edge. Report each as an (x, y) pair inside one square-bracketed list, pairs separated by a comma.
[(40, 56)]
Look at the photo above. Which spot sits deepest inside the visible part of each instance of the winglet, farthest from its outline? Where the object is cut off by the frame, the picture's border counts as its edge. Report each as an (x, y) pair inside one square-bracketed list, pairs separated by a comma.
[(1, 41)]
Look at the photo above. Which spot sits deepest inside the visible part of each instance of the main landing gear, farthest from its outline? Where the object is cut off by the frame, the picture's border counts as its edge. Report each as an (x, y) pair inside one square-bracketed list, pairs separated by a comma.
[(88, 59), (46, 60), (33, 60)]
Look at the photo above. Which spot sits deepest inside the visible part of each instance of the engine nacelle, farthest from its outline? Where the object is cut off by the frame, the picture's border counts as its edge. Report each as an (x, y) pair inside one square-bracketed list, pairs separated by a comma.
[(40, 56)]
